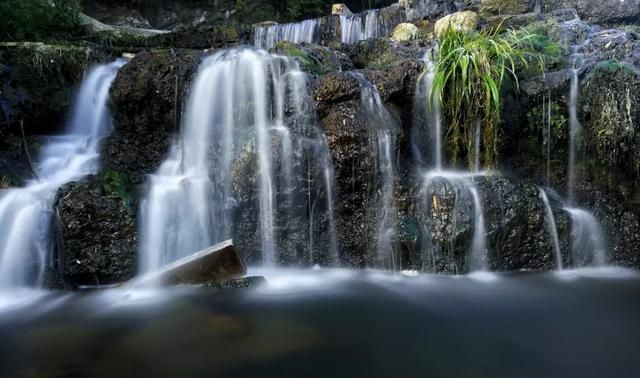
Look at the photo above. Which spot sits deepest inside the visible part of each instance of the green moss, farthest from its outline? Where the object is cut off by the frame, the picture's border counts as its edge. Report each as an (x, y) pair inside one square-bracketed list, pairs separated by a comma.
[(47, 60), (538, 117), (116, 183), (317, 61)]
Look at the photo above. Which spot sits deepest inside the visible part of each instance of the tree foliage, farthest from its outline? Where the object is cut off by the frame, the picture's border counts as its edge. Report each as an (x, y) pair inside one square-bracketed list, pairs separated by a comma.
[(37, 19)]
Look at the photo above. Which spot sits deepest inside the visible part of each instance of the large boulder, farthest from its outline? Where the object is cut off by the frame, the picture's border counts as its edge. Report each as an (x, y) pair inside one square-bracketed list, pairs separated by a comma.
[(464, 21), (504, 7), (404, 32)]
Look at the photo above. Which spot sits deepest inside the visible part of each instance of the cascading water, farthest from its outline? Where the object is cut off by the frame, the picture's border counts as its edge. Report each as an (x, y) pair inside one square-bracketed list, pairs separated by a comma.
[(588, 245), (550, 223), (575, 128), (465, 200), (249, 132), (537, 8), (362, 26), (268, 36), (26, 213), (384, 144), (426, 113)]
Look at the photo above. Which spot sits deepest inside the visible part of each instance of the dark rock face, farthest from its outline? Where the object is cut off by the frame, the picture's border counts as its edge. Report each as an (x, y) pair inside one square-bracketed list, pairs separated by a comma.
[(147, 97), (514, 217), (204, 37), (338, 101), (314, 59), (98, 233), (37, 84)]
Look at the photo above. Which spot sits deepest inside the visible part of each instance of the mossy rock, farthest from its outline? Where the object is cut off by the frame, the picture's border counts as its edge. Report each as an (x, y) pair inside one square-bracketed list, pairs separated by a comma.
[(613, 114), (314, 59)]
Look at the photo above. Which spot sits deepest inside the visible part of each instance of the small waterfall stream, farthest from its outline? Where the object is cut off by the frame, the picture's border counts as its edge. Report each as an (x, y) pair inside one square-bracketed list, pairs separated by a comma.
[(267, 37), (550, 223), (249, 125), (427, 120), (362, 26), (26, 213)]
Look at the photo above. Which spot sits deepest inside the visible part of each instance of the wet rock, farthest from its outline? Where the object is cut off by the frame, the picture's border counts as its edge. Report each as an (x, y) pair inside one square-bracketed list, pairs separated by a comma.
[(315, 59), (419, 9), (379, 53), (147, 99), (464, 21), (517, 236), (504, 7), (37, 83), (97, 233)]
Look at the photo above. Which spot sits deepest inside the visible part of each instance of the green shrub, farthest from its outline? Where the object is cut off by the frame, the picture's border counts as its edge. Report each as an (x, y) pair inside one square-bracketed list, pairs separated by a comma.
[(38, 19), (471, 70)]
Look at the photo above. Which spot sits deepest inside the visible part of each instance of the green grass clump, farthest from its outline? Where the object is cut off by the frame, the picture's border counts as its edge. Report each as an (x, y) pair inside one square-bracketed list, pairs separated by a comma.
[(470, 73)]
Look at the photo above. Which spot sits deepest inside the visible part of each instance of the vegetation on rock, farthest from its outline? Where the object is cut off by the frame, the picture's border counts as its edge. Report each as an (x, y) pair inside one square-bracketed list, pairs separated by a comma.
[(471, 70), (38, 19)]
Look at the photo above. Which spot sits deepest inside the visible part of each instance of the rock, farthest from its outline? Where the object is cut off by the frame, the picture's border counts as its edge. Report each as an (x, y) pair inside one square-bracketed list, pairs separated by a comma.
[(419, 9), (404, 32), (38, 82), (216, 264), (97, 233), (464, 21), (204, 37), (315, 59), (340, 10), (607, 11), (147, 105), (513, 212)]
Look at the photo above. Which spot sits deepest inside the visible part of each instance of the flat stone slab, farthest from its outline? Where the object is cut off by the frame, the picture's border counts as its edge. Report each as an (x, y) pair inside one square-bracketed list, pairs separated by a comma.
[(215, 264)]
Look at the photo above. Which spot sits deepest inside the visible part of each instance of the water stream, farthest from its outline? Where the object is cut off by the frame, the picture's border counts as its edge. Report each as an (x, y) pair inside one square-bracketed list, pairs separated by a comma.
[(26, 245), (552, 229), (268, 36)]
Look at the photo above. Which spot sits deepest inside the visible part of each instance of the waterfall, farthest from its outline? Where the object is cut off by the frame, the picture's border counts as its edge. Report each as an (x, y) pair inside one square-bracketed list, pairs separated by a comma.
[(269, 36), (362, 26), (383, 142), (574, 131), (587, 239), (26, 213), (537, 8), (465, 193), (550, 223), (249, 125), (426, 117)]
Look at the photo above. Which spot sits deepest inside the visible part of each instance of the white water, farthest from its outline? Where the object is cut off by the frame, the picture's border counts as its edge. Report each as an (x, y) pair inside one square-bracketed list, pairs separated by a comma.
[(268, 36), (361, 26), (550, 223), (248, 121), (588, 247), (465, 193), (537, 9), (427, 117), (26, 213), (575, 129)]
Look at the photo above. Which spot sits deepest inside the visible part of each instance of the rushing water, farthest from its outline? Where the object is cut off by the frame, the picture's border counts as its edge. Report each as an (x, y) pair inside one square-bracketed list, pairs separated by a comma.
[(299, 32), (427, 120), (588, 247), (337, 323), (26, 213), (362, 26), (552, 229), (249, 127)]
